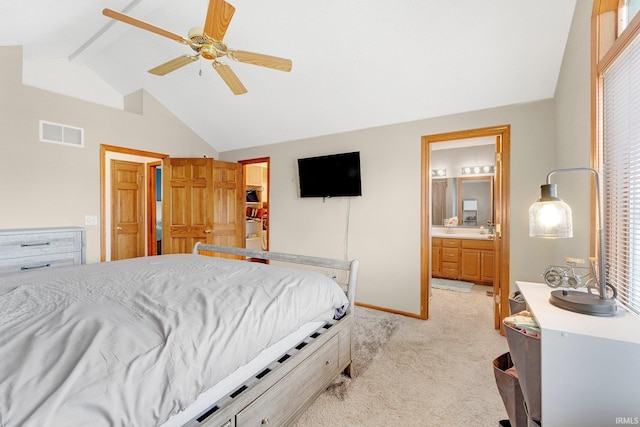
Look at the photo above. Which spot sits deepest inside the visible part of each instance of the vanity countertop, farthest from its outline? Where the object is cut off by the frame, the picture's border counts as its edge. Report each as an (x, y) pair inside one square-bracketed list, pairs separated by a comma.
[(460, 233)]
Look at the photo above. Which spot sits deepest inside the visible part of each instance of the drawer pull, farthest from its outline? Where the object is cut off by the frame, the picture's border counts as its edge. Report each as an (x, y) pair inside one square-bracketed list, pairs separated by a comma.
[(35, 267), (328, 362), (27, 245), (265, 421)]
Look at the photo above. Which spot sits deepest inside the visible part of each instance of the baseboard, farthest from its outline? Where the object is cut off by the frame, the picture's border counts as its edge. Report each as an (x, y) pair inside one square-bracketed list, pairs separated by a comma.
[(389, 310)]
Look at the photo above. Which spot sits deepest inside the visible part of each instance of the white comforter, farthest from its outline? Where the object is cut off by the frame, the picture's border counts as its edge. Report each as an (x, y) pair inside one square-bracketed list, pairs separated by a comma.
[(132, 342)]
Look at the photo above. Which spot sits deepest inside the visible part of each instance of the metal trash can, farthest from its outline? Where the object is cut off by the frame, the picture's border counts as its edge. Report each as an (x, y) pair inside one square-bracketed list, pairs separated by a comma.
[(509, 388)]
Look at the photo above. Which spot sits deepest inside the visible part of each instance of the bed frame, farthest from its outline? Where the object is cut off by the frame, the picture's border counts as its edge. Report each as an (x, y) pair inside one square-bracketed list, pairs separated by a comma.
[(279, 394)]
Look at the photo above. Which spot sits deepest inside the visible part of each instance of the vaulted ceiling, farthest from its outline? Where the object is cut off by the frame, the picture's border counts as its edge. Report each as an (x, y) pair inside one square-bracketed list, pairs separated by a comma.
[(356, 63)]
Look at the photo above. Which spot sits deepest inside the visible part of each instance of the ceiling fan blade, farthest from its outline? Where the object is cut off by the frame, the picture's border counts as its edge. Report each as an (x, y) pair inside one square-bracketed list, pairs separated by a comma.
[(173, 65), (218, 19), (268, 61), (230, 78), (144, 25)]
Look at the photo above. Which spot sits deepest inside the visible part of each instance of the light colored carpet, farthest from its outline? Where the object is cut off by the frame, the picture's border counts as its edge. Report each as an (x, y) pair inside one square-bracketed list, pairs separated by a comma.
[(430, 373), (451, 285), (372, 330)]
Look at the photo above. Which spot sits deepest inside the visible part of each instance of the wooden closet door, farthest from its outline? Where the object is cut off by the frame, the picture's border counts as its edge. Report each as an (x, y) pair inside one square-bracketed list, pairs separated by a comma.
[(229, 201), (187, 208), (203, 201)]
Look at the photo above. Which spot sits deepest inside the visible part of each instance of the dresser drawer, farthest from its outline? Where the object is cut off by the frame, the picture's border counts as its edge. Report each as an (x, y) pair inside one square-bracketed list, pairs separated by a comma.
[(279, 403), (41, 248), (39, 262), (21, 245)]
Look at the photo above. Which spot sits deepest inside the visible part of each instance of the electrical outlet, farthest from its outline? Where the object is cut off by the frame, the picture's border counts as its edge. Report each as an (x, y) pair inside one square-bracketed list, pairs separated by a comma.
[(90, 220)]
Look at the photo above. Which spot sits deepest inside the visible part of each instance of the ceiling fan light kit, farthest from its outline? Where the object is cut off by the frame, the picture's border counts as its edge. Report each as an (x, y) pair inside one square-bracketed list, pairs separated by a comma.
[(207, 43)]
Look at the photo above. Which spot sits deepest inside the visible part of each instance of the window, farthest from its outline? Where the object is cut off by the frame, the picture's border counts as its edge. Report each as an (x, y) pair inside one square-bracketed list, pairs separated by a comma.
[(619, 148), (627, 10)]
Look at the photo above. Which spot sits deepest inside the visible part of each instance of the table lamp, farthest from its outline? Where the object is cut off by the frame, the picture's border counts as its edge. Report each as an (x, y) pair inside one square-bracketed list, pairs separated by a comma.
[(550, 217)]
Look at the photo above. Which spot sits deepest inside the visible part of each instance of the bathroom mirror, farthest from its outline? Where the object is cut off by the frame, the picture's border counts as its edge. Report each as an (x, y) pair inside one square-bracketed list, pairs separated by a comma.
[(450, 194), (475, 201)]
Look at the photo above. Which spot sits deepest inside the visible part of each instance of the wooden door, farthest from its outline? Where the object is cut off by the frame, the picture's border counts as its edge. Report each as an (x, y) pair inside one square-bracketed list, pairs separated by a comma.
[(229, 204), (501, 241), (187, 207), (203, 201), (127, 210)]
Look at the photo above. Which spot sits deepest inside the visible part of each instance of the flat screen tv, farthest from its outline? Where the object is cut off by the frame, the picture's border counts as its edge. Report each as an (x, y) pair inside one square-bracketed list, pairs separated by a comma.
[(336, 175)]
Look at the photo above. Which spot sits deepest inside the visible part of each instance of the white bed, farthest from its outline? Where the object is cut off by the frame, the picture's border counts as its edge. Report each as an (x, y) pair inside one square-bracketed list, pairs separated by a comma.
[(171, 340)]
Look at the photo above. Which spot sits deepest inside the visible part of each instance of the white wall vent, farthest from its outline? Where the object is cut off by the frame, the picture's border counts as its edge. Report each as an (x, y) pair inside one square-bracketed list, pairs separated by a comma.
[(61, 134)]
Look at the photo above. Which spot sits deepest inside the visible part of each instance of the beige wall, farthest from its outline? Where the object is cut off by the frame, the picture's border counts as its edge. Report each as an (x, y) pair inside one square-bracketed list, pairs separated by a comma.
[(55, 185), (384, 227), (573, 133)]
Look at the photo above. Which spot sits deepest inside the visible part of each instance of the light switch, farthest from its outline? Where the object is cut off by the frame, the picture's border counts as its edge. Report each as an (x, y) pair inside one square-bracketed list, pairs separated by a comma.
[(91, 220)]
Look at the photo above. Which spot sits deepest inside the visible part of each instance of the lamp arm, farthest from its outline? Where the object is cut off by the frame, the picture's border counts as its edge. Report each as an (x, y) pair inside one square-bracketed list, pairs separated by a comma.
[(602, 285)]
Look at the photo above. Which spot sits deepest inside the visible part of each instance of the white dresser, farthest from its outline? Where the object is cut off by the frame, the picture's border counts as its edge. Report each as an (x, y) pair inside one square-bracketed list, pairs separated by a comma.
[(26, 249), (588, 364)]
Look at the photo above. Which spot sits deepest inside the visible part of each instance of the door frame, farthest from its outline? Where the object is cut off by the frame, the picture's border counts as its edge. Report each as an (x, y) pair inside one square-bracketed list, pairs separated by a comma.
[(152, 214), (501, 217), (112, 150), (266, 160)]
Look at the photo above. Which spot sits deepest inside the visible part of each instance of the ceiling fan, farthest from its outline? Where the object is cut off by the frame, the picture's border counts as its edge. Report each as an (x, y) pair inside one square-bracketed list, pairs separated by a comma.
[(207, 43)]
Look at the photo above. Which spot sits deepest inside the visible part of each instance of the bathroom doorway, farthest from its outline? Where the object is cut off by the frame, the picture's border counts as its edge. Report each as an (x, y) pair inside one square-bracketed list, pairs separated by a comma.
[(434, 178)]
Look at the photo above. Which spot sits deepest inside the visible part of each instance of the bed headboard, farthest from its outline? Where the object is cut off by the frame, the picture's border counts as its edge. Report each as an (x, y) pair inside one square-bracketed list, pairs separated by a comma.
[(351, 267)]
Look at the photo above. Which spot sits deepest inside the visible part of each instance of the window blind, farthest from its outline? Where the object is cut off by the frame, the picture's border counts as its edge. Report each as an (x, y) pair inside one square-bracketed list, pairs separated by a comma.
[(621, 174)]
